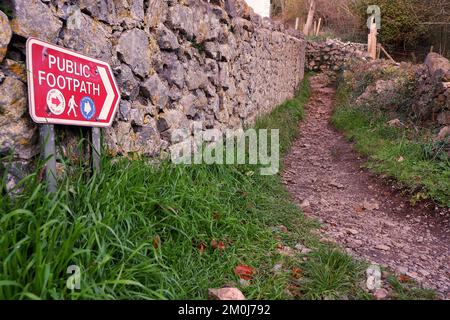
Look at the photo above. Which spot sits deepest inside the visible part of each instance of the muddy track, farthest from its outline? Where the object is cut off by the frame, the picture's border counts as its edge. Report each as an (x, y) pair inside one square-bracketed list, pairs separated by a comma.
[(363, 213)]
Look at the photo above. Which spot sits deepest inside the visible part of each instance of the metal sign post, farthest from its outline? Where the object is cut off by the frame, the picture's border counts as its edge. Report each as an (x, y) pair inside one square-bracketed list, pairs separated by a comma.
[(47, 136), (96, 148)]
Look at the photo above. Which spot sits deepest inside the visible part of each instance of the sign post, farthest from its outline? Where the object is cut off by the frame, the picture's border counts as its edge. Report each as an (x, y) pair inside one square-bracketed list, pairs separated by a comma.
[(68, 88), (96, 148), (47, 136)]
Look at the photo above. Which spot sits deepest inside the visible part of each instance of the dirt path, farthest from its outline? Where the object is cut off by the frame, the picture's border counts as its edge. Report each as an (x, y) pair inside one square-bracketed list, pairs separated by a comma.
[(363, 213)]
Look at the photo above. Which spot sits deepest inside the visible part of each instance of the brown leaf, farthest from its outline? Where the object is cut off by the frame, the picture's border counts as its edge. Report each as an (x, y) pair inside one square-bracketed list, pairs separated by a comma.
[(201, 248), (297, 273), (244, 272), (404, 278), (156, 241), (221, 245), (214, 243)]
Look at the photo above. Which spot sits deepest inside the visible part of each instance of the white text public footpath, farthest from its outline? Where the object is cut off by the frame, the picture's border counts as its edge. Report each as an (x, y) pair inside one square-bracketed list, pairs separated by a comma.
[(67, 82)]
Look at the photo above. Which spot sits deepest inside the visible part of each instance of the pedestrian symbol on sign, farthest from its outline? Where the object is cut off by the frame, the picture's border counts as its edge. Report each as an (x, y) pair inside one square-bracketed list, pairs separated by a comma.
[(72, 106)]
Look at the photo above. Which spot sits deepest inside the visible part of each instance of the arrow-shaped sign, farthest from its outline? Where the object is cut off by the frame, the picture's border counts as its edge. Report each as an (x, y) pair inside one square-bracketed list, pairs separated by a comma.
[(70, 81), (109, 94)]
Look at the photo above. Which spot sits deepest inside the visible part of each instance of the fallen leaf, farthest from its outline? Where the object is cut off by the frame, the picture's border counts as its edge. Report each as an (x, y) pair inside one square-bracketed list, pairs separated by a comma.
[(156, 241), (244, 272), (400, 159), (404, 278), (201, 248), (214, 243), (221, 245), (297, 273)]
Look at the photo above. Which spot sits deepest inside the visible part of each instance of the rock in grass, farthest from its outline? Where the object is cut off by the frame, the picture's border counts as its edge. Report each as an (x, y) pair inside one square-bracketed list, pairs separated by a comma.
[(443, 133), (225, 294), (373, 274), (381, 294)]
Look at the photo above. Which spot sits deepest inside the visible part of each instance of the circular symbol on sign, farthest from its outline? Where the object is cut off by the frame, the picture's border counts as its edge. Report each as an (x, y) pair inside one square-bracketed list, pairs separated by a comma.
[(87, 108), (56, 102)]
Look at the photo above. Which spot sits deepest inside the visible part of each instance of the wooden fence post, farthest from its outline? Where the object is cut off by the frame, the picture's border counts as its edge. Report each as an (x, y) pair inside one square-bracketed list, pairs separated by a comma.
[(372, 40), (318, 26)]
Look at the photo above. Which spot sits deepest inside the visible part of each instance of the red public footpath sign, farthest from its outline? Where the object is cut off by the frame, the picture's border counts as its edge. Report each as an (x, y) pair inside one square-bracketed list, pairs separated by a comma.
[(65, 87)]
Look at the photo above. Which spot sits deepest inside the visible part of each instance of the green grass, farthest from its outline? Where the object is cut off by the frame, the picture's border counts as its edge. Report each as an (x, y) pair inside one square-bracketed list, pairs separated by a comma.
[(331, 274), (409, 290), (134, 230), (418, 163)]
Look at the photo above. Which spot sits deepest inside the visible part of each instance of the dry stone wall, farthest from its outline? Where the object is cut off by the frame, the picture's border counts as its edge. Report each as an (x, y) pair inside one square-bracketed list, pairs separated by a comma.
[(332, 54), (178, 63), (432, 96), (417, 93)]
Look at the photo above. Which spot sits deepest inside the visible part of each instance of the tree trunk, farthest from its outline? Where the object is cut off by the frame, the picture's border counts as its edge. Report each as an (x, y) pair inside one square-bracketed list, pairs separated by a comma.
[(309, 21)]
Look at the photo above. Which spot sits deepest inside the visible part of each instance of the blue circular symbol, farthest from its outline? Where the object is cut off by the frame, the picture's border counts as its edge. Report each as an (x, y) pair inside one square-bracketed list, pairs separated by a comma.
[(87, 108)]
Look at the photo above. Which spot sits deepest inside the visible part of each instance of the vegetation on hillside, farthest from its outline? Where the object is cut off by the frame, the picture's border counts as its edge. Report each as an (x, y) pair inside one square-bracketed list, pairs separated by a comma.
[(406, 24), (407, 153)]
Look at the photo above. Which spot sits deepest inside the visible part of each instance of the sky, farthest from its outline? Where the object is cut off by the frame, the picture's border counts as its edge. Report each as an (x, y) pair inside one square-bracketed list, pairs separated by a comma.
[(261, 7)]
